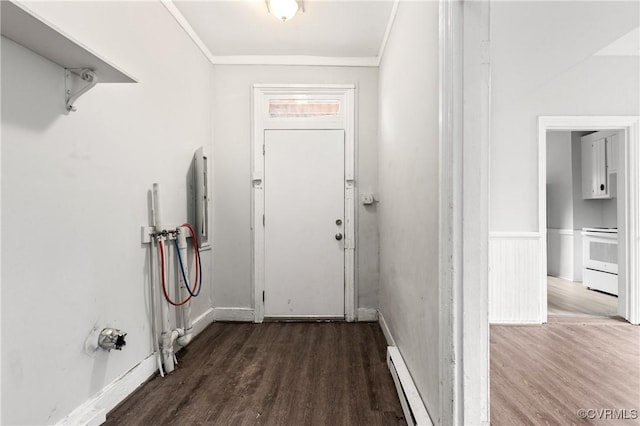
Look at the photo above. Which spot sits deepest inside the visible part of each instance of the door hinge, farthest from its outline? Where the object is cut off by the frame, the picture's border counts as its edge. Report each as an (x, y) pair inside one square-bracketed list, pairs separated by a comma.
[(262, 296), (263, 220)]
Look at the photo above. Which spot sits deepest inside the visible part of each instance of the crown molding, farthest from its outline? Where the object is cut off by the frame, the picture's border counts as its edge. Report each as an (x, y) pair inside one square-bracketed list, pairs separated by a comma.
[(387, 32), (182, 21), (300, 60)]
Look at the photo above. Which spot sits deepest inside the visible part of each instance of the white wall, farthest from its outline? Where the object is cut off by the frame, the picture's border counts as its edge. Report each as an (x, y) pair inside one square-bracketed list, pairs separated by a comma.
[(560, 253), (560, 185), (559, 181), (542, 63), (408, 180), (74, 196), (232, 185)]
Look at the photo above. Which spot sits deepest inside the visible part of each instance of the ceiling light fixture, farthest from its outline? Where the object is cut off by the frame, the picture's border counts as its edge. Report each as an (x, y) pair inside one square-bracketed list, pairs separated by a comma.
[(283, 9)]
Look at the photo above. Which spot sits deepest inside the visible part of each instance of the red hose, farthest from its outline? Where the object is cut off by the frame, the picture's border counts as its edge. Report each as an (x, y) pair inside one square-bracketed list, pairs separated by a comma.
[(164, 284)]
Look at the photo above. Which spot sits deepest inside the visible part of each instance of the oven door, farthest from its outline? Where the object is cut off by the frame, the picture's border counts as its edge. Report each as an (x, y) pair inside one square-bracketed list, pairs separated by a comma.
[(601, 251)]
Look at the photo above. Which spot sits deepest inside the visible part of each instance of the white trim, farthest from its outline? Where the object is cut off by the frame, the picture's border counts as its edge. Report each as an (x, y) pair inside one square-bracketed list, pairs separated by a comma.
[(518, 235), (261, 93), (303, 318), (203, 321), (630, 226), (560, 231), (464, 211), (466, 44), (304, 88), (385, 330), (182, 21), (387, 32), (296, 60), (415, 412), (94, 410), (234, 314), (367, 315), (450, 217), (515, 322)]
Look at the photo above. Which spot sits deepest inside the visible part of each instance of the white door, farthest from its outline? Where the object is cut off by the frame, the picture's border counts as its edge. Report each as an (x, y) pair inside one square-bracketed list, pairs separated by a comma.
[(304, 223)]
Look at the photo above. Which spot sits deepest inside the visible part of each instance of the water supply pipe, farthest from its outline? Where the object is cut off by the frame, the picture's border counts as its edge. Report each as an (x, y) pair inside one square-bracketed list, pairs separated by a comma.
[(160, 236), (166, 337), (155, 208), (153, 282)]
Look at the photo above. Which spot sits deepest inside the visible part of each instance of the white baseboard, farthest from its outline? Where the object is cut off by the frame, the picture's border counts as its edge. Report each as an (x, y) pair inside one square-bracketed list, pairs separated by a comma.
[(385, 330), (515, 322), (563, 277), (367, 315), (94, 411), (415, 412), (203, 321), (234, 314)]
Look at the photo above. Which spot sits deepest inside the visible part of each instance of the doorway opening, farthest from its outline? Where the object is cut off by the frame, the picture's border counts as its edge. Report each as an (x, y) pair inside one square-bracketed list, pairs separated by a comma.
[(303, 202), (582, 222), (588, 198)]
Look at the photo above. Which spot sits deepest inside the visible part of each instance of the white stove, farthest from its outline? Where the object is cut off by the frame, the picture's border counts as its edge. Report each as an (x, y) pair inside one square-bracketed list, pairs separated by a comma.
[(600, 259)]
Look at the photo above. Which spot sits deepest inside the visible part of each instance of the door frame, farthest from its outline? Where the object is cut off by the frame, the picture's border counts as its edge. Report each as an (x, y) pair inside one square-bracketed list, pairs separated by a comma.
[(629, 229), (261, 121)]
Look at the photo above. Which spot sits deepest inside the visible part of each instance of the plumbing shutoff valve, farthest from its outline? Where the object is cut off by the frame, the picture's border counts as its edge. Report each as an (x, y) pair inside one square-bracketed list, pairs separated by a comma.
[(111, 338)]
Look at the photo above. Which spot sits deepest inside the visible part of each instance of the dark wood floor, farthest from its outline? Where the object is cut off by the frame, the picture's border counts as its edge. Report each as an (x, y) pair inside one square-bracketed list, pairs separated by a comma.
[(273, 374), (544, 374)]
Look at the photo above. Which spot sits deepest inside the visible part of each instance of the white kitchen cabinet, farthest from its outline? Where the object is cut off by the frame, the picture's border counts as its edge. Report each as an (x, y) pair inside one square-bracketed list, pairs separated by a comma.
[(595, 182), (613, 142), (599, 161)]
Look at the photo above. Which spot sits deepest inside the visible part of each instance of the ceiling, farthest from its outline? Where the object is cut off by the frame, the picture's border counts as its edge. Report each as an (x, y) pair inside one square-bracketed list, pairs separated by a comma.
[(627, 45), (330, 29)]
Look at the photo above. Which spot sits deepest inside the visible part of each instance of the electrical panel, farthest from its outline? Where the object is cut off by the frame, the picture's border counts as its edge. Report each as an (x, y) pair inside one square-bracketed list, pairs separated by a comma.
[(201, 196)]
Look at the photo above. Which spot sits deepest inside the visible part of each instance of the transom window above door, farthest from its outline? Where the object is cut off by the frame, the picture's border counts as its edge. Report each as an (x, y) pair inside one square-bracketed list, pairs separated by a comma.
[(303, 108)]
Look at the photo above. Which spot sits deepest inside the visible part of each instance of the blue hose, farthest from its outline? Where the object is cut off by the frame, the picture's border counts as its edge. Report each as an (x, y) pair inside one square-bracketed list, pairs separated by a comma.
[(184, 276)]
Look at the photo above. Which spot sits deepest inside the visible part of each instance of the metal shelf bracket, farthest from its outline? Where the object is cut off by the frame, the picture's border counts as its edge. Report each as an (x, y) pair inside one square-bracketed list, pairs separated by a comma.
[(77, 83)]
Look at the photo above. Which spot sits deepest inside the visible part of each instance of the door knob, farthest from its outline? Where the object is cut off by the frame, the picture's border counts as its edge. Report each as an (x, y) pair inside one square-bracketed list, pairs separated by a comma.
[(338, 237)]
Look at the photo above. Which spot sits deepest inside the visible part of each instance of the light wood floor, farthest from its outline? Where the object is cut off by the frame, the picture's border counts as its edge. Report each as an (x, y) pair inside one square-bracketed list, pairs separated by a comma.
[(543, 374), (565, 297), (273, 374)]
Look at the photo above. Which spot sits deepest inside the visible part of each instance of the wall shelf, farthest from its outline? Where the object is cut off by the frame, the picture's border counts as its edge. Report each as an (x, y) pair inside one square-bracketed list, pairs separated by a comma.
[(34, 33)]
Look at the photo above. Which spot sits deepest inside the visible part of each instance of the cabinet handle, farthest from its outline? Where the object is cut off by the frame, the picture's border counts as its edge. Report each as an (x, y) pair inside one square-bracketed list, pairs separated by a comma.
[(601, 187)]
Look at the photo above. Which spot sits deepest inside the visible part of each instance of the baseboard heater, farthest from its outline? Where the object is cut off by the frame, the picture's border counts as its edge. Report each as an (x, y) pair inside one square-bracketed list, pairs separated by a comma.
[(414, 410)]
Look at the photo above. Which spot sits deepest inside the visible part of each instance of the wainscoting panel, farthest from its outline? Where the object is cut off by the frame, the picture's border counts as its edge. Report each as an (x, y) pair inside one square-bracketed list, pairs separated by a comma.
[(560, 253), (514, 277)]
